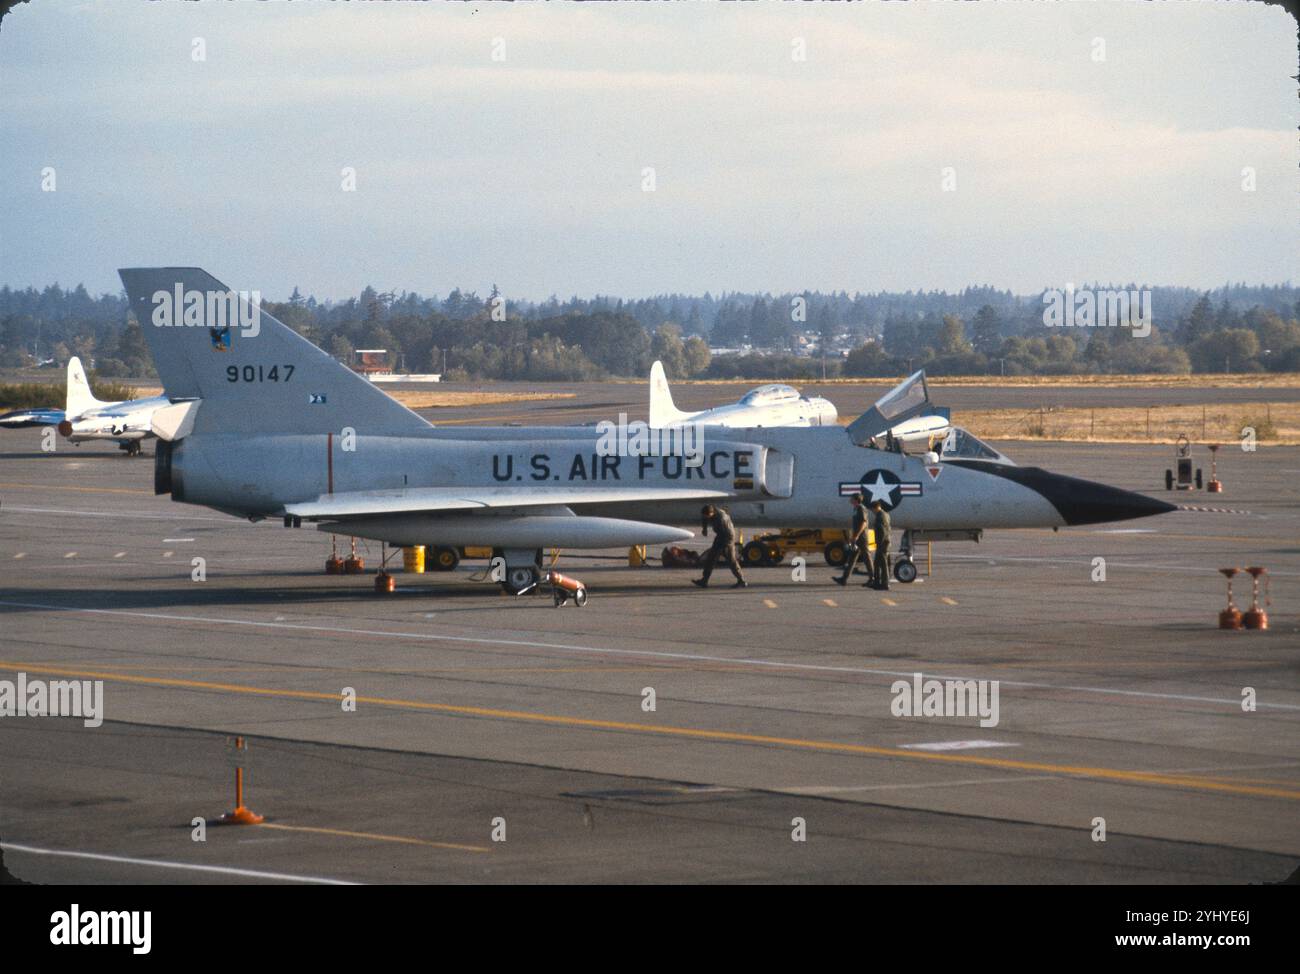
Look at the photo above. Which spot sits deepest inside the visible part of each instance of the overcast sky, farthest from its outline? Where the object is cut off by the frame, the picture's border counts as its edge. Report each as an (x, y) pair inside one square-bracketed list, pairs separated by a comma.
[(772, 174)]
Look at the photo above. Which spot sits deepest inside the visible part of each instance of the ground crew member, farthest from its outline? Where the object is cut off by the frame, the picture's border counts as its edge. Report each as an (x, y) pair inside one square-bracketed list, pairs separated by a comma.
[(724, 545), (858, 540), (880, 526)]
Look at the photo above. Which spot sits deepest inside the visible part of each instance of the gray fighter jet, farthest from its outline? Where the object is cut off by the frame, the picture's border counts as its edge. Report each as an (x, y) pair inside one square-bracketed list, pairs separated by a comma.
[(265, 424)]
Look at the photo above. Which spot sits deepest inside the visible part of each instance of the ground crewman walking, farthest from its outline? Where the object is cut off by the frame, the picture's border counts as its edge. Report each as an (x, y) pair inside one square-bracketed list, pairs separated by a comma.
[(880, 527), (857, 542), (724, 545)]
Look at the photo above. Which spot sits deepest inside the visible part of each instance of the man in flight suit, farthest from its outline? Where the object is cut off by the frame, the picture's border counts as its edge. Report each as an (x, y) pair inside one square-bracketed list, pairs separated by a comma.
[(858, 539), (724, 545), (880, 526)]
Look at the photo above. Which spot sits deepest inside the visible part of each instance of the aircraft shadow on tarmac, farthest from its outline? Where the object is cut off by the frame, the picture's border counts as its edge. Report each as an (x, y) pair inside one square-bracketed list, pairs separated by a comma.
[(89, 455), (6, 877), (283, 593)]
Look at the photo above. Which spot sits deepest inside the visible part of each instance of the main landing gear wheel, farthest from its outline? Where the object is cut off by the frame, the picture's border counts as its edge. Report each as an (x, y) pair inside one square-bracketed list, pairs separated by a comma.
[(835, 554), (445, 559), (521, 578), (905, 570), (1169, 480)]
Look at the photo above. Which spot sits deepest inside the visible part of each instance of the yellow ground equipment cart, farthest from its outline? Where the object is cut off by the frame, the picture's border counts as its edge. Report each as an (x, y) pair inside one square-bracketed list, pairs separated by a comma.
[(771, 549), (437, 558)]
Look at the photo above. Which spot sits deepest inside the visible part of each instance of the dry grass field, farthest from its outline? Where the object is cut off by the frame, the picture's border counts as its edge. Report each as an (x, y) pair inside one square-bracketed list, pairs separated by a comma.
[(452, 399), (1251, 380), (1275, 422)]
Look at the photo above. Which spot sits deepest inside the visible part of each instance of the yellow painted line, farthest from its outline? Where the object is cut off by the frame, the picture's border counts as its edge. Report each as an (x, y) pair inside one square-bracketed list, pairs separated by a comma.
[(87, 490), (831, 602), (377, 837), (120, 554), (888, 601), (697, 733), (21, 554), (769, 603), (70, 554), (948, 601), (168, 554), (1256, 781)]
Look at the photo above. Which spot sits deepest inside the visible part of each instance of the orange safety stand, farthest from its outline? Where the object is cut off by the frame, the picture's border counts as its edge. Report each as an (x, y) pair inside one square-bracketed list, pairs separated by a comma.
[(1230, 618), (352, 565), (1214, 486), (384, 583), (1255, 617), (334, 564), (240, 815)]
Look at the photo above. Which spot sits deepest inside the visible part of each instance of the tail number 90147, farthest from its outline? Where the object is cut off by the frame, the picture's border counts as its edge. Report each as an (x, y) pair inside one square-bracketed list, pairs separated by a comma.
[(259, 373)]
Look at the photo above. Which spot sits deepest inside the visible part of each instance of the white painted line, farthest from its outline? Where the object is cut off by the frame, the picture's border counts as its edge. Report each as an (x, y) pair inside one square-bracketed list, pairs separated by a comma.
[(162, 864), (1233, 702), (955, 745), (1110, 563), (175, 540), (1128, 531), (833, 789)]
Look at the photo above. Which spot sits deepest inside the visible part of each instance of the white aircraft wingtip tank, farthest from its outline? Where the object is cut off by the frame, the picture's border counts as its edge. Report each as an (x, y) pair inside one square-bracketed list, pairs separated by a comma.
[(277, 428)]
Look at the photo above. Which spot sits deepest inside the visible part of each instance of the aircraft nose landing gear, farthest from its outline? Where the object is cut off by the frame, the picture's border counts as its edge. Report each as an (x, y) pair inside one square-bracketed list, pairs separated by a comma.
[(905, 567), (905, 570)]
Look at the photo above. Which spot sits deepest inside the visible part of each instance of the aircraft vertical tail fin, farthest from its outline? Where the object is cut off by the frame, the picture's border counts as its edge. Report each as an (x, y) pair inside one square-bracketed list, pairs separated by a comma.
[(80, 398), (663, 412), (254, 374)]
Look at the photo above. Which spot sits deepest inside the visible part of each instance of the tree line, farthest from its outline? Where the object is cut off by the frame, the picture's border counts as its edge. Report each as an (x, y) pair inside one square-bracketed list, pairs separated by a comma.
[(976, 331)]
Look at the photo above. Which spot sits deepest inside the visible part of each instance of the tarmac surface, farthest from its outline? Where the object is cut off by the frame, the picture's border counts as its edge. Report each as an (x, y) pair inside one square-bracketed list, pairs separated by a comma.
[(482, 717)]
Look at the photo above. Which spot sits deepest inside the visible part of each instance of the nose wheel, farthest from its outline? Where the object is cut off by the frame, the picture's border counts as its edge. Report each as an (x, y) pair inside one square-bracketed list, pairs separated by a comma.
[(905, 570), (904, 567)]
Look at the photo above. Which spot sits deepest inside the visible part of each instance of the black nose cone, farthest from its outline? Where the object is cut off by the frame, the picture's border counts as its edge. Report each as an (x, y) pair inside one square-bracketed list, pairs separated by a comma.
[(1079, 501), (1087, 502)]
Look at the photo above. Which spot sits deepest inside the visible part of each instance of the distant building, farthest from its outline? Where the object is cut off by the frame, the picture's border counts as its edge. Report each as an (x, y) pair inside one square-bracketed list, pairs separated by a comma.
[(371, 361)]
